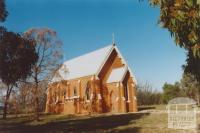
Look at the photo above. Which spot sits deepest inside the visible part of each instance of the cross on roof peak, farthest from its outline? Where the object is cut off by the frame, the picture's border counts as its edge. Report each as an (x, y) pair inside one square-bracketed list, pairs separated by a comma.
[(113, 39)]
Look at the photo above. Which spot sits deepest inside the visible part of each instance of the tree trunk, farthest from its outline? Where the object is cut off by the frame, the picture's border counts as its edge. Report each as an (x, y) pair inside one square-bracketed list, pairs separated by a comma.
[(5, 107), (37, 108), (36, 99), (9, 89), (198, 99)]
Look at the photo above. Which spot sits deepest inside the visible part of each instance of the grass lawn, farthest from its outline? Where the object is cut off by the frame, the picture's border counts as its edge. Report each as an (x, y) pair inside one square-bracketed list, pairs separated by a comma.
[(132, 122), (152, 107)]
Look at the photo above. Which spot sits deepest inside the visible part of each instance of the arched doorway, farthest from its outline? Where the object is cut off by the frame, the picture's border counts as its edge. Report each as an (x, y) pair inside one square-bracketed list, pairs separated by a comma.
[(126, 95)]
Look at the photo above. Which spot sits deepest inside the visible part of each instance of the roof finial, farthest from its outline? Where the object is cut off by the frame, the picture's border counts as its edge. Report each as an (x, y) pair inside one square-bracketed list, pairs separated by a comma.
[(113, 39)]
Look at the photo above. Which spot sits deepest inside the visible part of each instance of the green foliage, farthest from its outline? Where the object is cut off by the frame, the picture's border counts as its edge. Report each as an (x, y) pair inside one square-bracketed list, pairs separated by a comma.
[(147, 96), (192, 65), (171, 91), (17, 56), (187, 87), (3, 12), (182, 19), (190, 86)]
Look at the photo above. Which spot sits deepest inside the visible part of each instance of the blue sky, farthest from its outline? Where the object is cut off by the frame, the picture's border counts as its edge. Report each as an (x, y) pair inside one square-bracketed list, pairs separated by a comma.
[(86, 25)]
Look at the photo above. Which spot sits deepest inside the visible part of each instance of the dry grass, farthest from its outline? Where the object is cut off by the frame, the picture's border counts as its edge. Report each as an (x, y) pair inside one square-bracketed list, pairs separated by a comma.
[(153, 123), (121, 123)]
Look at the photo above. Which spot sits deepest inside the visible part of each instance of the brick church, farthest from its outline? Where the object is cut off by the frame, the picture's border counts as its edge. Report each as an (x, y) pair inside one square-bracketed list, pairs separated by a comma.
[(97, 82)]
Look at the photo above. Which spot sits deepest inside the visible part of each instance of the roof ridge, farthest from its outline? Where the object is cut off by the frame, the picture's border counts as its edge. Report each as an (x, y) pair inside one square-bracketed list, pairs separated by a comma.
[(87, 53), (86, 64)]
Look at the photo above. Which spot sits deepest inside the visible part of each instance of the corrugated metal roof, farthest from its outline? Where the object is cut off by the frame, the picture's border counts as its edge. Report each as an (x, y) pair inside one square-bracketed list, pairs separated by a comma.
[(84, 65)]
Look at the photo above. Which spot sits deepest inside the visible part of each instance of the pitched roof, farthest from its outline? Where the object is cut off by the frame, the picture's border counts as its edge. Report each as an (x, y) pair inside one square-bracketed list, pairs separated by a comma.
[(88, 64), (85, 65), (117, 74)]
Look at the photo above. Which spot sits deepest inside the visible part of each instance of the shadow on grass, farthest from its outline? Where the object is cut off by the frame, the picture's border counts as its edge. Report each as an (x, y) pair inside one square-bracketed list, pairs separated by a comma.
[(146, 108), (93, 124)]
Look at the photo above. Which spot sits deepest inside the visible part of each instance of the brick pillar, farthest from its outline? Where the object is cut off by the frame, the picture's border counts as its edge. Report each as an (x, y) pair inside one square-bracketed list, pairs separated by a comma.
[(80, 97), (135, 109), (133, 99), (123, 100), (99, 99), (120, 102), (68, 90), (47, 108), (67, 105)]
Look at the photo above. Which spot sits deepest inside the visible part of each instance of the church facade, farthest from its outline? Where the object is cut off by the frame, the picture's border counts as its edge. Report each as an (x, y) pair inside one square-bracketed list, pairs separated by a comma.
[(97, 82)]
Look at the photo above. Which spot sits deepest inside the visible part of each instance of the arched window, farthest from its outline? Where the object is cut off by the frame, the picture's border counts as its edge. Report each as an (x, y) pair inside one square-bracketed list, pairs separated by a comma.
[(54, 97), (65, 93), (87, 91), (75, 91)]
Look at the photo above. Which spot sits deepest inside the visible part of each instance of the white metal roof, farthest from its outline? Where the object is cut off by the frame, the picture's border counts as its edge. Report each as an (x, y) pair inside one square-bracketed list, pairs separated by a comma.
[(117, 74), (84, 65), (182, 100), (89, 64)]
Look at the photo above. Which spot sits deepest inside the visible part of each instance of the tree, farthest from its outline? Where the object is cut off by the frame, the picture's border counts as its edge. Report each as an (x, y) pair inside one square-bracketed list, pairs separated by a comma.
[(49, 50), (1, 93), (3, 12), (22, 100), (147, 96), (182, 19), (192, 66), (190, 86), (17, 56), (171, 91)]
